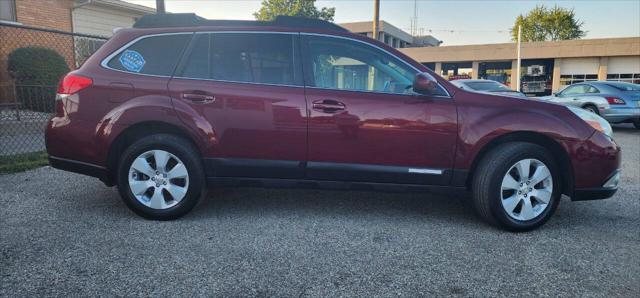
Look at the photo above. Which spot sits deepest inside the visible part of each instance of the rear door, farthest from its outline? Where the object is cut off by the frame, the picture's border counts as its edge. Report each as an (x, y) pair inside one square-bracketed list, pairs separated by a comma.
[(244, 90), (365, 123)]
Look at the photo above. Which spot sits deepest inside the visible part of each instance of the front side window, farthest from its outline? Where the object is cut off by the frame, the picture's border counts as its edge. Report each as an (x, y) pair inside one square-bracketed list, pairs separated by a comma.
[(153, 55), (573, 90), (349, 65), (591, 89)]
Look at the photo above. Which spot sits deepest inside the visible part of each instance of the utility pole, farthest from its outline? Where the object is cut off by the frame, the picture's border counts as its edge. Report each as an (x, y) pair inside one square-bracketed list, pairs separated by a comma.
[(518, 68), (376, 18), (160, 6), (414, 22)]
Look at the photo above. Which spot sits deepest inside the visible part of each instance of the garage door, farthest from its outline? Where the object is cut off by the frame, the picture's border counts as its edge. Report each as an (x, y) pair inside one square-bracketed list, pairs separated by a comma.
[(578, 70), (571, 66), (623, 65), (624, 69)]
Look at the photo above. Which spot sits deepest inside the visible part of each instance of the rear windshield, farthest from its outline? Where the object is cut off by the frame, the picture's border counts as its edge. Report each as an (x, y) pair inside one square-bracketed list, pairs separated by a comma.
[(625, 86), (487, 86), (154, 55)]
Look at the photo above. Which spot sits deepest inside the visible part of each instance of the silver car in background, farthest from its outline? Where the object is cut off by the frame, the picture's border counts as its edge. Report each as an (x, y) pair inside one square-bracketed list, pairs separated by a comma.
[(486, 86), (618, 102)]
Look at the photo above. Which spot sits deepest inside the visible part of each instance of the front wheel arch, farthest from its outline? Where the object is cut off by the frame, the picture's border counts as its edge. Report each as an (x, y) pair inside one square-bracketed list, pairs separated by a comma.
[(560, 155)]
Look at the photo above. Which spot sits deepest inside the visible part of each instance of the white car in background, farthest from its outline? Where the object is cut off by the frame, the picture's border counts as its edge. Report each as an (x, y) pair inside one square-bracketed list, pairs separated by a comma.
[(617, 102)]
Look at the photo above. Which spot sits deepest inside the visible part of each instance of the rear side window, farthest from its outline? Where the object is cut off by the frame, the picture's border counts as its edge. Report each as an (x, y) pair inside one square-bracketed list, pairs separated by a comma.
[(244, 57), (197, 64), (154, 55)]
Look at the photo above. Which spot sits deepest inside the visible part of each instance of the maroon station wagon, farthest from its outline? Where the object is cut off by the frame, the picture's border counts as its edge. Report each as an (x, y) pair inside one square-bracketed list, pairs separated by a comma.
[(179, 103)]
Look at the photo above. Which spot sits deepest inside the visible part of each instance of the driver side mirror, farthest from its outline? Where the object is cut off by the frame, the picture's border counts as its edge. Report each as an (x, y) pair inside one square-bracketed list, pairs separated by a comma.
[(424, 83)]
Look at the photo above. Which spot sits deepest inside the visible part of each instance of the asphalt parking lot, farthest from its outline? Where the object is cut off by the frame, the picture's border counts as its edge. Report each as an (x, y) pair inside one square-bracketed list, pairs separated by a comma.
[(63, 234)]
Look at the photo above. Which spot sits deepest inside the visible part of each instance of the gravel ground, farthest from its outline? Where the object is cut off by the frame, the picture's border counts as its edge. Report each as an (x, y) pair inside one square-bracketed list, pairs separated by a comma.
[(63, 234)]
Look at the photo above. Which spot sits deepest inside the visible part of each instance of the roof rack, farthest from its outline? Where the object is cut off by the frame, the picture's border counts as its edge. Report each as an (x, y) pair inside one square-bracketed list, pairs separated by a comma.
[(191, 19)]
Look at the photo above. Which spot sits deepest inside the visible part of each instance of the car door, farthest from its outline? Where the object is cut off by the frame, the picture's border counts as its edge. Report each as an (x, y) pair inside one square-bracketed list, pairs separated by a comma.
[(365, 123), (572, 95), (245, 90)]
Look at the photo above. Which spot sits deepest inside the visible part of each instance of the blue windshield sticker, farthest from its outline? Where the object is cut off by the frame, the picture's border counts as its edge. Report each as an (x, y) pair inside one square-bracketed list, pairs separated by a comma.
[(132, 61)]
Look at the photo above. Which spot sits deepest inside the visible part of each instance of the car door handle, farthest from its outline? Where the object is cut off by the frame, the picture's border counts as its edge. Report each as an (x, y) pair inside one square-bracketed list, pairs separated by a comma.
[(196, 97), (328, 105)]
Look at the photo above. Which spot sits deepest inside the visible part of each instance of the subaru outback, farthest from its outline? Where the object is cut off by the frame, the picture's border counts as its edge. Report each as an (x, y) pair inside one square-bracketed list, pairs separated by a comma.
[(180, 103)]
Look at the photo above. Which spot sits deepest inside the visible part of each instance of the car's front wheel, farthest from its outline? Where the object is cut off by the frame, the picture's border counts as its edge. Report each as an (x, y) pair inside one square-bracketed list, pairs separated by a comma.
[(160, 177), (517, 186)]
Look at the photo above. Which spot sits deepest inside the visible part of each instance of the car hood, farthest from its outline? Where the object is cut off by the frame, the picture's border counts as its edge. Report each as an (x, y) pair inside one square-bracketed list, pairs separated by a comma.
[(510, 93)]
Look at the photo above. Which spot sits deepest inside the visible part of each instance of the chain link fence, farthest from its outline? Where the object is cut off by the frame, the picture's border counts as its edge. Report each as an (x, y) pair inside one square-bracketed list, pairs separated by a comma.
[(32, 61)]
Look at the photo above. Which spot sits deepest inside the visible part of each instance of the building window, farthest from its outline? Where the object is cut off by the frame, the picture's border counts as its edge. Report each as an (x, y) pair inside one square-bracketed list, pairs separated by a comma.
[(577, 78), (624, 77), (8, 10), (495, 71)]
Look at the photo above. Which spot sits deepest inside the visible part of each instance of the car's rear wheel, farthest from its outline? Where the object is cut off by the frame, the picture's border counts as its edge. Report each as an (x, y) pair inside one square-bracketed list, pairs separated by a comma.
[(517, 186), (592, 109), (160, 177)]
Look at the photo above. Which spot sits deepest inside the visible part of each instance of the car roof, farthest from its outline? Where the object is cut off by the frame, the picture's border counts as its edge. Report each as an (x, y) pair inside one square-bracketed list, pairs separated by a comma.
[(191, 21)]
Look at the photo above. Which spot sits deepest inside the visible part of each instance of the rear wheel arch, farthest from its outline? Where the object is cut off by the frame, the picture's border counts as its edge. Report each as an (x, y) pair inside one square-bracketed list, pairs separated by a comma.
[(560, 155), (137, 131)]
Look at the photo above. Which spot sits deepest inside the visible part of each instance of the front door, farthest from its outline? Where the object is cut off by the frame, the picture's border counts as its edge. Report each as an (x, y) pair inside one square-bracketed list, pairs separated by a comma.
[(365, 122), (245, 90)]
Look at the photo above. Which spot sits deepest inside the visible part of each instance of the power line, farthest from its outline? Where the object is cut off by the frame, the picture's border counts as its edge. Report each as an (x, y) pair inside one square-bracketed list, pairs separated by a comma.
[(461, 31)]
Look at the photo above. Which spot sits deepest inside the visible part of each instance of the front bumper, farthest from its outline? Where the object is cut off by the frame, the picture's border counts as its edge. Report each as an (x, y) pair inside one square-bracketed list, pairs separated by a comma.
[(622, 114), (596, 167), (608, 189), (587, 194)]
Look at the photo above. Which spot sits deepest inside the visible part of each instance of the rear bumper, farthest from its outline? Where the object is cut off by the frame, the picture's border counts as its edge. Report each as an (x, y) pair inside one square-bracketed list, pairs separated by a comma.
[(616, 115), (81, 168)]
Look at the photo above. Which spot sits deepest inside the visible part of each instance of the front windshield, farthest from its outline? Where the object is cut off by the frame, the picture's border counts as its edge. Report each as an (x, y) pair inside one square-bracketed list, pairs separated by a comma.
[(487, 86)]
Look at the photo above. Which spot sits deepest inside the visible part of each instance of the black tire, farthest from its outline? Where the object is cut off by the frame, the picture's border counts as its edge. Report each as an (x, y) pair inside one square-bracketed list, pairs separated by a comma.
[(177, 146), (487, 184), (591, 108), (636, 123)]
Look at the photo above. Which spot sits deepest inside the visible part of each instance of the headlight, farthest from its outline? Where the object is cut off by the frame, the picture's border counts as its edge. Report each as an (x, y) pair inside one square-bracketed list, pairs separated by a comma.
[(594, 120)]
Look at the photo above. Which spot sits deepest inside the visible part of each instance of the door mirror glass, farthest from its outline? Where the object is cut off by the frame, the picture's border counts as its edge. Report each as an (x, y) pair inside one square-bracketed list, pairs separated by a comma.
[(424, 83)]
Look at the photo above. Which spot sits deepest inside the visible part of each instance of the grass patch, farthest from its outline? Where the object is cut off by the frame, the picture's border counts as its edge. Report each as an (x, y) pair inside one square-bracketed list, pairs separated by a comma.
[(22, 162)]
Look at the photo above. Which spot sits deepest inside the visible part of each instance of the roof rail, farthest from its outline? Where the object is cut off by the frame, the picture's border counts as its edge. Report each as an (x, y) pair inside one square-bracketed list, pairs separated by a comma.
[(191, 20)]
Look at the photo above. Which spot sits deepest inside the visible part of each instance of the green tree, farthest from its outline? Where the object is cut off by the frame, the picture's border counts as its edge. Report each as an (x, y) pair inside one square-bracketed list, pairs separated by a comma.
[(299, 8), (543, 23)]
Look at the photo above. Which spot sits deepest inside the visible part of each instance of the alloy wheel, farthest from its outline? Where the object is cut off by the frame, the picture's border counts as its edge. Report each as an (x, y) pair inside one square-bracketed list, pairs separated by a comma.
[(526, 189), (158, 179)]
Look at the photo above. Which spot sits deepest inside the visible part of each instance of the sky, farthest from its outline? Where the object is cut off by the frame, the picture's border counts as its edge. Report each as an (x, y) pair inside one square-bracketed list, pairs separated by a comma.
[(454, 22)]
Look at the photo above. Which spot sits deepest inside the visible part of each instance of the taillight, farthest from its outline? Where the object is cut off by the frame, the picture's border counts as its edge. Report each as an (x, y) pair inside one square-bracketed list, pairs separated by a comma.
[(614, 100), (71, 84)]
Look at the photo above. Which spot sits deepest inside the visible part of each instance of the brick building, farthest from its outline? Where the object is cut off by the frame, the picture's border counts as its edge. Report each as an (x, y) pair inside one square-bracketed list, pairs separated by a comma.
[(65, 26), (49, 14)]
